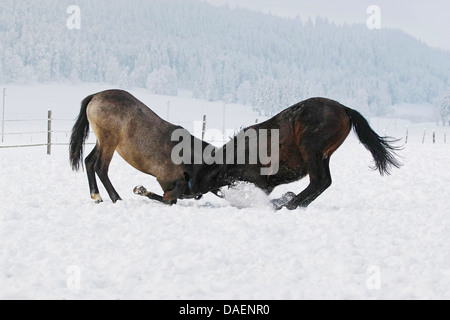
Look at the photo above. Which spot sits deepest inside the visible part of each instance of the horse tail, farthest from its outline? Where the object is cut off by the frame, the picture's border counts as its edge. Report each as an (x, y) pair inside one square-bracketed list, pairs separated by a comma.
[(383, 149), (80, 132)]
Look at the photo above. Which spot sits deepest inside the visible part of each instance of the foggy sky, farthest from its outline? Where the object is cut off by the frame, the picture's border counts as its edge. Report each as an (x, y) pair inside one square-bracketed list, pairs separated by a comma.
[(428, 21)]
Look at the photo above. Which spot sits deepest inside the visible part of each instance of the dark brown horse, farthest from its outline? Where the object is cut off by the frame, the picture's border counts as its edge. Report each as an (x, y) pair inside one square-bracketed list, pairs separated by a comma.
[(123, 123), (309, 133)]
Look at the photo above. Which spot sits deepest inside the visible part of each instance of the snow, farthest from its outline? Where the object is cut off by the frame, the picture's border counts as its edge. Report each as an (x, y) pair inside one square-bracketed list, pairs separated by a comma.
[(367, 237), (417, 113)]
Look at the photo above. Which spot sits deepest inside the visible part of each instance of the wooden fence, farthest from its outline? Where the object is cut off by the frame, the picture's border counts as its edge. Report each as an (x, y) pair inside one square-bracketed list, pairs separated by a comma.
[(49, 132)]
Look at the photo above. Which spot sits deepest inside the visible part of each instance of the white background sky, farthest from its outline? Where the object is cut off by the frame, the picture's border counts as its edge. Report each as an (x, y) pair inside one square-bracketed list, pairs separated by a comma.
[(426, 20)]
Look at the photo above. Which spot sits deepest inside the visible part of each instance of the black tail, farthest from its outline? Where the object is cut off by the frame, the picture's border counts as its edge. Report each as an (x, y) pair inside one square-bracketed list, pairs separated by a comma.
[(382, 149), (80, 132)]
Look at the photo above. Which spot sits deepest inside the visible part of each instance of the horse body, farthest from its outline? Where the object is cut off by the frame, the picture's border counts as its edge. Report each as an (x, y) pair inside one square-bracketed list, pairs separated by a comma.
[(303, 135), (123, 123), (310, 132)]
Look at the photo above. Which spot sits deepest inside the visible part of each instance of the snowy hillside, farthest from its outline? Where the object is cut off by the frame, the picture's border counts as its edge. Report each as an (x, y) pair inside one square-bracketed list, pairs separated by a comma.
[(366, 237)]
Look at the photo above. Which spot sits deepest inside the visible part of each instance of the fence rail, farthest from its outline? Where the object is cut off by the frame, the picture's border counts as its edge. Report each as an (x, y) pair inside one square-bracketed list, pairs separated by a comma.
[(49, 132)]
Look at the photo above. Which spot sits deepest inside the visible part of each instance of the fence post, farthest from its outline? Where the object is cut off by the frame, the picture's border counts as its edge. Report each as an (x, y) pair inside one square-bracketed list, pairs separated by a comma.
[(434, 137), (168, 110), (3, 114), (223, 121), (49, 133), (445, 137), (424, 134), (204, 127), (407, 134)]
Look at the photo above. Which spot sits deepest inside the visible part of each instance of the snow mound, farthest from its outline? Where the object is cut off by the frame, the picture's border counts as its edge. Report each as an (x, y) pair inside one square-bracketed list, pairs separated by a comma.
[(245, 195)]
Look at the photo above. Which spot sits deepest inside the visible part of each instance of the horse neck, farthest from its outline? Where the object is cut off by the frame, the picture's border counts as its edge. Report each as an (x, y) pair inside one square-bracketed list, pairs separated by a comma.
[(232, 172), (239, 172)]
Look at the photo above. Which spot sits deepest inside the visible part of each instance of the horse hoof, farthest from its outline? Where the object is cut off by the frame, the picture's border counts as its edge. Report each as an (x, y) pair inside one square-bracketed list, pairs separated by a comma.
[(97, 198), (291, 207), (284, 201), (277, 207), (116, 200), (140, 191)]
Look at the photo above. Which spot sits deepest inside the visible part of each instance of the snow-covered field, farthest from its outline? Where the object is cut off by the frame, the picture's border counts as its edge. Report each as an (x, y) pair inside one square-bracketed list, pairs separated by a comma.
[(367, 237)]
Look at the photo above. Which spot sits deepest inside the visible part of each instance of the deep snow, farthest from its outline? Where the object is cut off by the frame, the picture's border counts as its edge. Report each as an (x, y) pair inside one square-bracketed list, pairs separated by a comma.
[(51, 233)]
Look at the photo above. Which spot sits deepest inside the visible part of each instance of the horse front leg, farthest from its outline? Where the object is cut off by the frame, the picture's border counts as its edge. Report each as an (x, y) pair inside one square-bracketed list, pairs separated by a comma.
[(320, 180), (279, 204), (141, 191), (172, 192)]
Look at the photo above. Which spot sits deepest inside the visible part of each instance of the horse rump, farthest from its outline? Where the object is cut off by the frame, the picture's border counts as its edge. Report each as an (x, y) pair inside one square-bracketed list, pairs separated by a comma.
[(80, 133)]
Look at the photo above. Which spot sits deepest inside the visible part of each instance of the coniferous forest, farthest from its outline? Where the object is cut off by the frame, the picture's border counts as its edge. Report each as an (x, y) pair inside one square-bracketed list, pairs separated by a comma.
[(226, 54)]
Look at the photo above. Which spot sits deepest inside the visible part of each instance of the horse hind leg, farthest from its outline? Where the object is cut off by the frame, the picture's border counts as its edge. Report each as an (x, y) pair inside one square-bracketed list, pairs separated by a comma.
[(320, 180), (102, 167), (90, 162)]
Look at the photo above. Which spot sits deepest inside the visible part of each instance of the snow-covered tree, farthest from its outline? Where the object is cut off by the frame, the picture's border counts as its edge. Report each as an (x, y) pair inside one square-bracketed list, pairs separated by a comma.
[(142, 67), (56, 67), (290, 92), (43, 70), (206, 86), (163, 81), (75, 67), (245, 93), (124, 79), (267, 96), (381, 99), (444, 108), (113, 71)]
